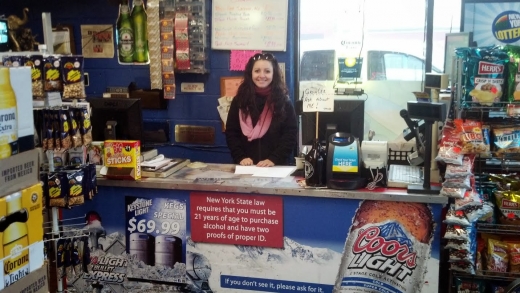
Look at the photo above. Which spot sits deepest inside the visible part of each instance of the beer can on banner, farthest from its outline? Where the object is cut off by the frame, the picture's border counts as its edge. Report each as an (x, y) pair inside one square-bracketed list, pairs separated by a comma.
[(142, 247), (168, 250), (387, 248)]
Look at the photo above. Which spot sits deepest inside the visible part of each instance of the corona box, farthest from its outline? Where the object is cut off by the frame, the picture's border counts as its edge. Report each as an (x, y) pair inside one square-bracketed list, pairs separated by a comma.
[(21, 234), (122, 159)]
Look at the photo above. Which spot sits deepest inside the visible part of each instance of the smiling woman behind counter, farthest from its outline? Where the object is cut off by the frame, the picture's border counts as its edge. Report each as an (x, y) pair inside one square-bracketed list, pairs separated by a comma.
[(261, 127)]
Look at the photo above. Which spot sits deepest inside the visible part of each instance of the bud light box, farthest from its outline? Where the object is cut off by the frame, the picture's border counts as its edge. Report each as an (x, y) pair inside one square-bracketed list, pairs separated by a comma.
[(122, 159), (22, 234)]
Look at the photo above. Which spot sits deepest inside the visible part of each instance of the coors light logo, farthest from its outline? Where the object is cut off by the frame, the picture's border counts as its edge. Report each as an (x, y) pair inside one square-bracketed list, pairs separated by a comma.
[(489, 68), (387, 248)]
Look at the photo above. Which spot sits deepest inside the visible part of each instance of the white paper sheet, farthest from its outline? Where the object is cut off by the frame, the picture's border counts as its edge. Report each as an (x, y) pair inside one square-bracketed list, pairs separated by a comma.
[(274, 172), (239, 169)]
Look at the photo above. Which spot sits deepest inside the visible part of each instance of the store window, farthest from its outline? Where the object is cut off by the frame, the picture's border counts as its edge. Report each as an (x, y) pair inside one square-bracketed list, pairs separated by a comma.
[(389, 37), (446, 19), (358, 26), (396, 66)]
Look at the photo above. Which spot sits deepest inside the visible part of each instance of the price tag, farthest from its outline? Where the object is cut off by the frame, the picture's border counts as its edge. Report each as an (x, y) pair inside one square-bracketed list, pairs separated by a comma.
[(150, 226), (156, 225), (53, 99), (192, 87)]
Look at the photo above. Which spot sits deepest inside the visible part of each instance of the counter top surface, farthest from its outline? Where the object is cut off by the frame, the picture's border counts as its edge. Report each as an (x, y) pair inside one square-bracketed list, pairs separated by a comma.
[(221, 178)]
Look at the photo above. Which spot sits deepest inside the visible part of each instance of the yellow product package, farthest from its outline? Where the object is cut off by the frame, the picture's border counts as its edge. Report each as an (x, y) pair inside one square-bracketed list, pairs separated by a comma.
[(122, 158), (20, 228), (514, 256), (508, 202), (497, 257)]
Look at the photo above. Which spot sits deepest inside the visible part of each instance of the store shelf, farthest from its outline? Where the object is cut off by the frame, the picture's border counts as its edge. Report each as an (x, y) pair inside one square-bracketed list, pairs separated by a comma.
[(497, 162), (498, 229), (488, 275)]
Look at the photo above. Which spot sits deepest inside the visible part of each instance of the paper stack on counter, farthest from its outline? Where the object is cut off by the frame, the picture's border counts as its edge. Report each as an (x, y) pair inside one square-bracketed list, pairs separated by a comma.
[(155, 163), (167, 167)]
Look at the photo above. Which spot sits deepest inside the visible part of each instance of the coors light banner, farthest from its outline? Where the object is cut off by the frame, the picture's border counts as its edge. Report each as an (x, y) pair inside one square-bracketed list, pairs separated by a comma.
[(387, 248)]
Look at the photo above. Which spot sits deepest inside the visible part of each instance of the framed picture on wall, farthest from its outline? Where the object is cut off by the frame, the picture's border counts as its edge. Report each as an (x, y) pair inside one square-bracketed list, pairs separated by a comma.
[(229, 85), (97, 40), (63, 39)]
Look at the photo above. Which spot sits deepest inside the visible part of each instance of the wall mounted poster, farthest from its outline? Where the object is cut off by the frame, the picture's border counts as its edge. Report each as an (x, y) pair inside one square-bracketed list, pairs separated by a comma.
[(97, 41), (249, 25), (326, 242), (493, 22), (155, 238), (151, 248)]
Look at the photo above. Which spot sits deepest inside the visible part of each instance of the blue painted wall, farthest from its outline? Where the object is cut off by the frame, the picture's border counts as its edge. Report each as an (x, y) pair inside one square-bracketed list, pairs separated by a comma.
[(187, 108)]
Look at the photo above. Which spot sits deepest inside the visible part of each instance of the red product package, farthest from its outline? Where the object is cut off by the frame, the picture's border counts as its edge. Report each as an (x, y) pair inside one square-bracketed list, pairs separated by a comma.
[(450, 147), (466, 169), (471, 136)]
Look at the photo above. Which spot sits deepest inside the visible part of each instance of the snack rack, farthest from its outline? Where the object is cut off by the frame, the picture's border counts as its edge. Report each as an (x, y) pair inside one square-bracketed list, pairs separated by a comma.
[(57, 229), (492, 162), (486, 275)]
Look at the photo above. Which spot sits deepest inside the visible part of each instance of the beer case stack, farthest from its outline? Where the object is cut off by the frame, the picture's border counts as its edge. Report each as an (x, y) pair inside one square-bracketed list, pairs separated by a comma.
[(21, 202)]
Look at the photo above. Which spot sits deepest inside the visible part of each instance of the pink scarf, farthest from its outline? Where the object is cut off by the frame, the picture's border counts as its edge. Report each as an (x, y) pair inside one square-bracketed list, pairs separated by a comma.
[(261, 127)]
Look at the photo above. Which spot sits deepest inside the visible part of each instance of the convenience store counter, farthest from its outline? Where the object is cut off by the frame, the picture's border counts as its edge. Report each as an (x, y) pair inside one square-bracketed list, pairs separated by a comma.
[(238, 233), (221, 178)]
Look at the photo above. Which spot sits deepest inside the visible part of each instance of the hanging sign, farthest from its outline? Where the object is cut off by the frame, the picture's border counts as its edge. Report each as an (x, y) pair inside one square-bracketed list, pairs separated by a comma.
[(317, 96)]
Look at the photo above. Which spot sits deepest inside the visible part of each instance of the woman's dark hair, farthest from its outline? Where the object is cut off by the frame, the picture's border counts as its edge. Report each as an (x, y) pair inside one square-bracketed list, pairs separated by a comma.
[(246, 91)]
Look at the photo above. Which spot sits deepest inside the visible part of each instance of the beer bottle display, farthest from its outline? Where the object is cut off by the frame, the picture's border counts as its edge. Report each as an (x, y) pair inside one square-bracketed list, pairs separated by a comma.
[(8, 113), (140, 32), (15, 240), (314, 164), (125, 34), (387, 248)]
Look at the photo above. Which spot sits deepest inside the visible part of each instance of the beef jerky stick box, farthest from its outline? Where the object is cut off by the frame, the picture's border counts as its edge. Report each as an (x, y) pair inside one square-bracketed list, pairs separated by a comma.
[(122, 159)]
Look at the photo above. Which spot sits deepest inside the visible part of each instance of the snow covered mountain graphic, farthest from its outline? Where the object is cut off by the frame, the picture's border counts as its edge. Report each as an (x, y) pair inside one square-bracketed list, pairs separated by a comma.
[(295, 262), (292, 252), (394, 231)]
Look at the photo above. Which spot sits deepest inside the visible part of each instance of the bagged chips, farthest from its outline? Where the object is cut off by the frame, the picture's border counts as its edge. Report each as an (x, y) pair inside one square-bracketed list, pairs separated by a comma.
[(483, 75), (513, 74)]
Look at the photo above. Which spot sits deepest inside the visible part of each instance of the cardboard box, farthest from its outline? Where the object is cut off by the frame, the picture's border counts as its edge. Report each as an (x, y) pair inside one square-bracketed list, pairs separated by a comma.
[(122, 159), (21, 83), (35, 282), (19, 171), (21, 234)]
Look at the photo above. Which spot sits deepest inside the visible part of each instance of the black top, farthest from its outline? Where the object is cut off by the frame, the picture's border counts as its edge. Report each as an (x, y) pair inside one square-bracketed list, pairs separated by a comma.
[(276, 144)]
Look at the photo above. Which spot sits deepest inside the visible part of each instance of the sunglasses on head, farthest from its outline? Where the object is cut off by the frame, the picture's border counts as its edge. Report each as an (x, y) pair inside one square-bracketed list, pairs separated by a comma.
[(263, 56)]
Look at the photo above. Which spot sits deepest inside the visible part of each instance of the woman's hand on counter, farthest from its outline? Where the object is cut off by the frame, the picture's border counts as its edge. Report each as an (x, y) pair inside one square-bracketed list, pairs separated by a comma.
[(265, 163), (246, 162)]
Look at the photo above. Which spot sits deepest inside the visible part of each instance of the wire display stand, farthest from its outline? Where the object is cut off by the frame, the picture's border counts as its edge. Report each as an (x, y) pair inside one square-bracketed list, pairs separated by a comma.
[(493, 162)]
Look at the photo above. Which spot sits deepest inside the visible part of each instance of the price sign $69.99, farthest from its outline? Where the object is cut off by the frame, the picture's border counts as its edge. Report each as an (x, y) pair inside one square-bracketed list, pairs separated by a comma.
[(149, 226)]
